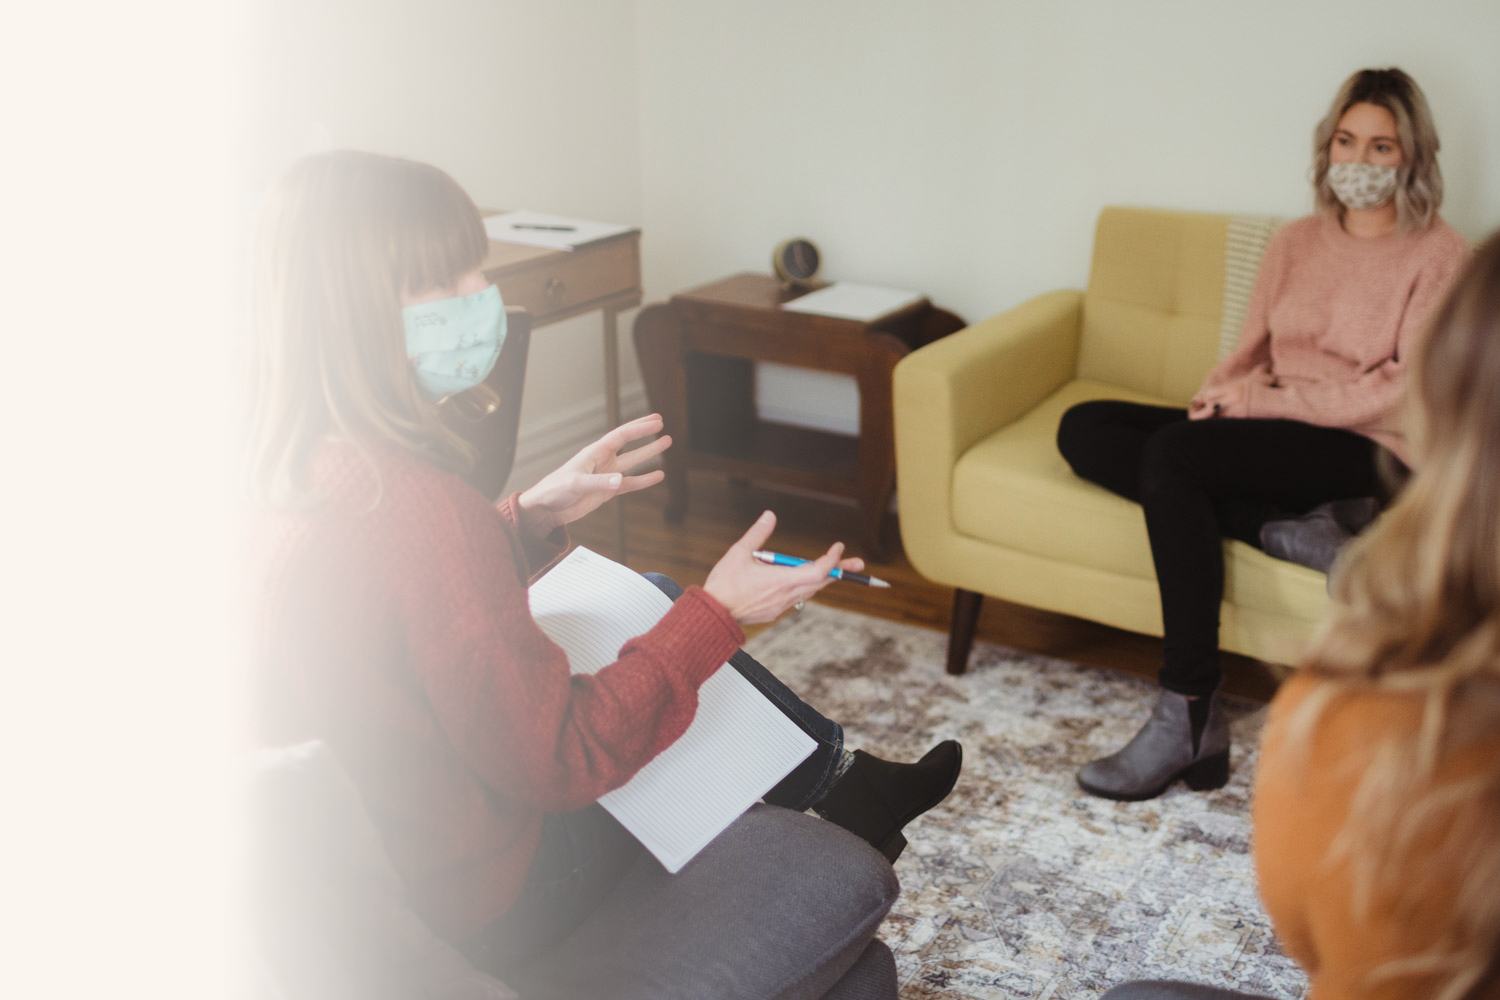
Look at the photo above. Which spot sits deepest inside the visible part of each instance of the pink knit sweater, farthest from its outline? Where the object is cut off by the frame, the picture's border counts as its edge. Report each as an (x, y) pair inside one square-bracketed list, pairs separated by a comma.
[(1331, 323)]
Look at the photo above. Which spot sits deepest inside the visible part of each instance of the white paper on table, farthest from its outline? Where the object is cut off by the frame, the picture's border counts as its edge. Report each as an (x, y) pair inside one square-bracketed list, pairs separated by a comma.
[(737, 748), (850, 301), (514, 227)]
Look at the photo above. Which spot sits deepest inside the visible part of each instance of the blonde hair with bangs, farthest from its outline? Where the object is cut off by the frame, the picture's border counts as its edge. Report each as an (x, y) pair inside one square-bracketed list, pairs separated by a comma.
[(1419, 181), (1417, 610), (341, 237)]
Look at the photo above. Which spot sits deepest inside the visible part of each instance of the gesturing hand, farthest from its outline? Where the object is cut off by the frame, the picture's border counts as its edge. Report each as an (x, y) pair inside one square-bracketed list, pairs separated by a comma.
[(593, 476), (754, 592)]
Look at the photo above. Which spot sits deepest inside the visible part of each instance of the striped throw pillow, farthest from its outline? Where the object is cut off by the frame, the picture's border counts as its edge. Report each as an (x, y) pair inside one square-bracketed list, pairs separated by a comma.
[(1244, 244)]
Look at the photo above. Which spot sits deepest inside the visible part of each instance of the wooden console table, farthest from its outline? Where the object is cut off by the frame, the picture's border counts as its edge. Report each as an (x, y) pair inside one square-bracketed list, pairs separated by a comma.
[(697, 354), (555, 285)]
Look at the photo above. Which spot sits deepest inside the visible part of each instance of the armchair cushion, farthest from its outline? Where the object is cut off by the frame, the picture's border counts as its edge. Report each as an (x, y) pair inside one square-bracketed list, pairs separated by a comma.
[(1015, 489), (1152, 311)]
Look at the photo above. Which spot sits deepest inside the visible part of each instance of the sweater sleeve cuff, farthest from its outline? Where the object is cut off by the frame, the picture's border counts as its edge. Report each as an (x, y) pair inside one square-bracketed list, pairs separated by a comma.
[(540, 553), (707, 634)]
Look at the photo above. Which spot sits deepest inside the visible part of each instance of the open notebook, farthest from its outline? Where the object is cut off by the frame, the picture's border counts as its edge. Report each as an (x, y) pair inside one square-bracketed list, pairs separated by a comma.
[(737, 748)]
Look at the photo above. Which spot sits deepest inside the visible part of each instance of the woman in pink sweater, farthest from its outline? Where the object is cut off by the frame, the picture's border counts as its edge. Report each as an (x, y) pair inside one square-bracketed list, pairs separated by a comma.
[(1294, 418), (389, 614)]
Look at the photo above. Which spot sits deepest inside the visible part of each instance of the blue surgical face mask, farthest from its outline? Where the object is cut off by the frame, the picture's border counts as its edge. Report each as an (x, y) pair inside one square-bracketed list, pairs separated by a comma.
[(453, 343)]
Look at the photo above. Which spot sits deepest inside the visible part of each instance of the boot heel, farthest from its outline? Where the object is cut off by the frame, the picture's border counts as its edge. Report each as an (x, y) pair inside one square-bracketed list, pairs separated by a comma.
[(1209, 773), (892, 846)]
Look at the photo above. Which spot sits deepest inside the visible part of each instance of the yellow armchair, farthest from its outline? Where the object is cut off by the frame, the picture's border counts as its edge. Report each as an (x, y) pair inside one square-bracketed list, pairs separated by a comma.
[(988, 506)]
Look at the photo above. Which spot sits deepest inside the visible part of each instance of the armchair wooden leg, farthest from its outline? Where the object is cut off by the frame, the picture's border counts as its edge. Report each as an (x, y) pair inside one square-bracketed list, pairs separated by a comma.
[(961, 632)]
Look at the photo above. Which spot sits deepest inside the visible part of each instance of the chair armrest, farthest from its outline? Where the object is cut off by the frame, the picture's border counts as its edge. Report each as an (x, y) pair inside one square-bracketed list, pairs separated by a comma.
[(956, 391)]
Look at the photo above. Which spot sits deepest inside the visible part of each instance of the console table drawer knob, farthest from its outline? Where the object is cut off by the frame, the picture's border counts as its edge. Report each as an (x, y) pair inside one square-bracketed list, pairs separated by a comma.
[(555, 290)]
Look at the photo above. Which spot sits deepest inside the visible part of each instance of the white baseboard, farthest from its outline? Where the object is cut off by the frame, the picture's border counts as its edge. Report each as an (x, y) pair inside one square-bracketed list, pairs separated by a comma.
[(544, 445)]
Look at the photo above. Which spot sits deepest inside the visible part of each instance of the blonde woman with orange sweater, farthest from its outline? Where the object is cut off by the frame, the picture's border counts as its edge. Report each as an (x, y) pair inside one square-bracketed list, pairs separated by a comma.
[(1377, 806), (1292, 419)]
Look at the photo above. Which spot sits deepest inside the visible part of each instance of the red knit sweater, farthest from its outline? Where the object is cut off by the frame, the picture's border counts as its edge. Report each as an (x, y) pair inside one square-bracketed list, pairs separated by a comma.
[(390, 620), (1331, 322)]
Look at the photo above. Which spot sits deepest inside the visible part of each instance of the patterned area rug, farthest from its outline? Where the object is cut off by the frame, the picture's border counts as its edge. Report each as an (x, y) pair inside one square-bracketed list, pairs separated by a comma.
[(1019, 886)]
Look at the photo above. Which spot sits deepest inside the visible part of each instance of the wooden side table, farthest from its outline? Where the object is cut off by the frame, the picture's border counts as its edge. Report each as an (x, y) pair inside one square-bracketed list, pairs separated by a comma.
[(697, 354), (554, 285)]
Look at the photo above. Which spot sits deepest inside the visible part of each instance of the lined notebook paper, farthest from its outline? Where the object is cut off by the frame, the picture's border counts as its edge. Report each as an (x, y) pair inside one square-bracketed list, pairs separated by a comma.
[(737, 748)]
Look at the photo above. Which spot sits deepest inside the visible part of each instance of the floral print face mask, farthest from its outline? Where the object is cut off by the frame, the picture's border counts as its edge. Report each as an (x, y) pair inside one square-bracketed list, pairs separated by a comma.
[(1361, 186)]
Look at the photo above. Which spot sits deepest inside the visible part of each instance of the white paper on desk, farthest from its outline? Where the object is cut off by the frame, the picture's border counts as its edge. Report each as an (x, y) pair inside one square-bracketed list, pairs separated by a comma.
[(511, 227), (738, 746), (849, 301)]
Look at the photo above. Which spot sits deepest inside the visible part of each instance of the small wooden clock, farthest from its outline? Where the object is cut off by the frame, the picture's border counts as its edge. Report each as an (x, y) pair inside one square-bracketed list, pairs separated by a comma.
[(796, 262)]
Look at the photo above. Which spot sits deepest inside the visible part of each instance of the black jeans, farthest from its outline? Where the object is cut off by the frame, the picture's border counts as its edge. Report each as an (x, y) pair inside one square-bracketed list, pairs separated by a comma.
[(1200, 480), (583, 855)]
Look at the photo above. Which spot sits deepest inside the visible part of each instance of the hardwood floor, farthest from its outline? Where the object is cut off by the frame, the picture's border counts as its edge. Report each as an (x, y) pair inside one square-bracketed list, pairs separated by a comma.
[(720, 511)]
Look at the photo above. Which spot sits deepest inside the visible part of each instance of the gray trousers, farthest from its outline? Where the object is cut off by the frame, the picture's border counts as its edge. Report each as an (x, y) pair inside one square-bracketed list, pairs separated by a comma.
[(781, 906)]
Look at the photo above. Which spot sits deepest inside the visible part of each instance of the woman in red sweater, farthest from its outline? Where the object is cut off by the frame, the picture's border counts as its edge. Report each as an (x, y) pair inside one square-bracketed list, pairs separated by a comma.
[(390, 615), (1292, 419)]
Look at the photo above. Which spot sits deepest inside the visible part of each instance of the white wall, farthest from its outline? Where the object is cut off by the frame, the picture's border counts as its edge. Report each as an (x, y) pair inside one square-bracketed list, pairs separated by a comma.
[(964, 148), (959, 148), (527, 105)]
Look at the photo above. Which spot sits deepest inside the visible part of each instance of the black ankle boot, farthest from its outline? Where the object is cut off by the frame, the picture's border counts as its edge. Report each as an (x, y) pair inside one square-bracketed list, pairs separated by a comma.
[(875, 798)]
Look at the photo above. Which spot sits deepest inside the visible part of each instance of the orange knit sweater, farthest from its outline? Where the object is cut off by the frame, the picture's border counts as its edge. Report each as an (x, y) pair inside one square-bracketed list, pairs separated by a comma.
[(1331, 322), (1302, 800)]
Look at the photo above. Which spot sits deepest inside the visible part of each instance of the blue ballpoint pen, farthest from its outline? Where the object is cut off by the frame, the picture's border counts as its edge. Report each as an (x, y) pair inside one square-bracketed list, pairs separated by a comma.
[(777, 559)]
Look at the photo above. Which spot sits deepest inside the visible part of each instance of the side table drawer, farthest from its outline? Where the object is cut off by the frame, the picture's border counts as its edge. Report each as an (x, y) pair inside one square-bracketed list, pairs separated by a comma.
[(561, 282)]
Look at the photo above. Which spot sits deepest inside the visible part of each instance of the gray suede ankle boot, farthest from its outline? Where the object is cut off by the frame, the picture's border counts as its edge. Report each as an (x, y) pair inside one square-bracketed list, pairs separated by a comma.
[(1312, 539), (1162, 752)]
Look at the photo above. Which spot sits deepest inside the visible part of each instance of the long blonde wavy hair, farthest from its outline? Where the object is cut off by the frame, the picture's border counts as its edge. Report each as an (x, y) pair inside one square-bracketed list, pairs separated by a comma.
[(1419, 181), (1417, 610), (340, 237)]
